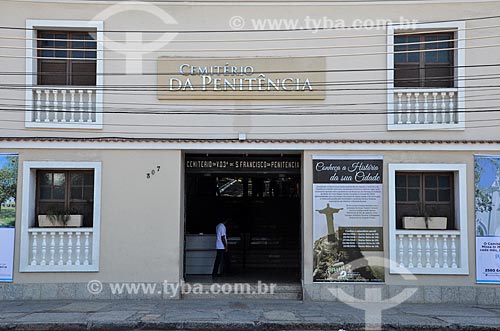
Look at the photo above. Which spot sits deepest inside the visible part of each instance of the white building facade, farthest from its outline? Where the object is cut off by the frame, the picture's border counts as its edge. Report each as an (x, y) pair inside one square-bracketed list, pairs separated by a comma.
[(155, 121)]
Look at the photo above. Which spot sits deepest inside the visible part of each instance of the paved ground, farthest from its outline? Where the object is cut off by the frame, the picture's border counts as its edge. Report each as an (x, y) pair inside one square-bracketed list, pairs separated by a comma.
[(235, 314)]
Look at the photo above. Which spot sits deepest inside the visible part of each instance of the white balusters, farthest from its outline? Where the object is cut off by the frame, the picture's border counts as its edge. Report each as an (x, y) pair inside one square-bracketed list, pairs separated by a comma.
[(44, 248), (408, 108), (47, 105), (418, 111), (436, 252), (78, 248), (63, 106), (420, 251), (86, 249), (90, 108), (69, 260), (399, 114), (52, 248), (425, 107), (427, 251), (401, 251), (55, 106), (80, 105), (61, 249), (34, 249), (410, 251), (451, 107), (443, 107), (434, 108), (445, 251), (72, 105), (51, 105), (64, 248), (454, 252), (38, 105)]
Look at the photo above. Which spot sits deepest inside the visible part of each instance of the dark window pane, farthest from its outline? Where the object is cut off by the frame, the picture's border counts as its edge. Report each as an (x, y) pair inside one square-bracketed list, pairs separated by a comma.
[(413, 42), (444, 195), (78, 44), (46, 179), (413, 195), (59, 192), (88, 193), (47, 53), (444, 181), (414, 57), (439, 75), (400, 181), (399, 39), (413, 181), (91, 55), (45, 192), (76, 193), (63, 54), (59, 179), (406, 75), (76, 179), (400, 194), (430, 195), (51, 72), (430, 181), (431, 57), (399, 58), (88, 178), (444, 57), (77, 54), (84, 73)]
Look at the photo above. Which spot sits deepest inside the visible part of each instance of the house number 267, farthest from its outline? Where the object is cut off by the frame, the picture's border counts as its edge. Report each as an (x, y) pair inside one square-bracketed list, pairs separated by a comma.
[(152, 172)]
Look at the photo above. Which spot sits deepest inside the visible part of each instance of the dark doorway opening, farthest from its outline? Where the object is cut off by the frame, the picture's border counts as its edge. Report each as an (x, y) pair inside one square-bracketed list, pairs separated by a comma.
[(259, 196)]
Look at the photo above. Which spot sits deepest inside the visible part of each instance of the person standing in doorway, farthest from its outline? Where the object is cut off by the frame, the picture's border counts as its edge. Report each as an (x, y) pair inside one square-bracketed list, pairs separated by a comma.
[(222, 249)]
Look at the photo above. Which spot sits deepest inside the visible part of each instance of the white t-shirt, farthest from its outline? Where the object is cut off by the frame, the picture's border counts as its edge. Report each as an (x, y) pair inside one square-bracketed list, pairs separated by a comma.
[(221, 231)]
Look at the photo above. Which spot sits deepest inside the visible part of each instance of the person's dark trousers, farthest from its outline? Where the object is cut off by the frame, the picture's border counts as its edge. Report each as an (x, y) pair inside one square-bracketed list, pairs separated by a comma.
[(219, 259)]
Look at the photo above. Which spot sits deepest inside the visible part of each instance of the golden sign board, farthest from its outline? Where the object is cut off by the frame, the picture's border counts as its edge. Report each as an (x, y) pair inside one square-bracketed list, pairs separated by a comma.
[(241, 78)]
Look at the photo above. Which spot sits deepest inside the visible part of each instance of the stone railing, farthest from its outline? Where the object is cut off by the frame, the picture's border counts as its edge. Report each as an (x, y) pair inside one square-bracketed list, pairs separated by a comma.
[(424, 109), (69, 106), (428, 251), (60, 249)]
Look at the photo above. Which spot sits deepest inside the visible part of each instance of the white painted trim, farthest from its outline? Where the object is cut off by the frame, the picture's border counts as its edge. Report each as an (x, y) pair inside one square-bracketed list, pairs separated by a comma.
[(27, 213), (459, 62), (232, 146), (347, 157), (460, 171), (31, 67)]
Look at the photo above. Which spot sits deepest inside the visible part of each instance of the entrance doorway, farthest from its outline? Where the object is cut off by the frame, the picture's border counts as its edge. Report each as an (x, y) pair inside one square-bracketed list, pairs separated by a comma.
[(260, 197)]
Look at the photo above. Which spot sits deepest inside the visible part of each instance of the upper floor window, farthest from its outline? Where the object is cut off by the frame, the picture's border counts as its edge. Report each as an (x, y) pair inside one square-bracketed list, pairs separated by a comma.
[(66, 58), (424, 60)]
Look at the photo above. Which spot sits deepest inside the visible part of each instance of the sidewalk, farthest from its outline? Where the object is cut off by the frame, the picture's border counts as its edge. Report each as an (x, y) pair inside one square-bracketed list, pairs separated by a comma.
[(235, 315)]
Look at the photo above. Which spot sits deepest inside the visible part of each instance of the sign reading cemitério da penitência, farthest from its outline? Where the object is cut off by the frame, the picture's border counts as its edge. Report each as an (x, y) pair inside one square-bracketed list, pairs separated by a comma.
[(241, 78)]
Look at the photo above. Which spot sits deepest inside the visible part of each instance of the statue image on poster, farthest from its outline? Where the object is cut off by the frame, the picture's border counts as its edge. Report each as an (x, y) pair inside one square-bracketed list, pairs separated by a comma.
[(347, 218), (8, 188)]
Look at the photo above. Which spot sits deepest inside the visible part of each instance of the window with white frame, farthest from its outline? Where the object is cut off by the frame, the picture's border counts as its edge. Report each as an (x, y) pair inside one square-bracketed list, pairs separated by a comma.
[(60, 217), (66, 59), (428, 218), (425, 76)]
